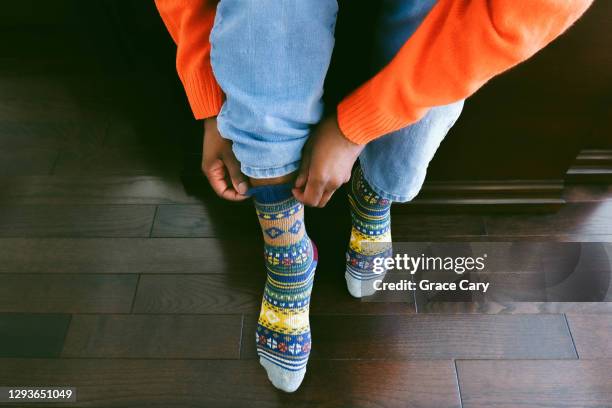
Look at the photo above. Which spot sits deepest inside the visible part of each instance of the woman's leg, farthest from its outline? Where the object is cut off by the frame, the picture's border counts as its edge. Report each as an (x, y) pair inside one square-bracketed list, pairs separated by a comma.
[(393, 167), (270, 57)]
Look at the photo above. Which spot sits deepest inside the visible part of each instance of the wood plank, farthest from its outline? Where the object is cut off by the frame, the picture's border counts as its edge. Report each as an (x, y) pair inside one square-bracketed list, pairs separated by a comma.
[(592, 335), (572, 219), (210, 294), (433, 337), (68, 135), (588, 193), (214, 384), (76, 220), (62, 87), (150, 336), (48, 110), (242, 293), (93, 190), (491, 307), (27, 162), (566, 287), (487, 196), (32, 335), (128, 255), (578, 238), (207, 220), (523, 384), (407, 225), (67, 293), (134, 126), (151, 160), (217, 219)]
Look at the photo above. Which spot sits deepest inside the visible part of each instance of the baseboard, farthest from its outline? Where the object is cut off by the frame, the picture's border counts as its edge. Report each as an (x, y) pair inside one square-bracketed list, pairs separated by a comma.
[(533, 196), (591, 166)]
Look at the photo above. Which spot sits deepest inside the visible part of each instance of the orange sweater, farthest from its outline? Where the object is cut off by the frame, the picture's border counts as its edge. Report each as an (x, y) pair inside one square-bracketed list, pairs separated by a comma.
[(460, 45)]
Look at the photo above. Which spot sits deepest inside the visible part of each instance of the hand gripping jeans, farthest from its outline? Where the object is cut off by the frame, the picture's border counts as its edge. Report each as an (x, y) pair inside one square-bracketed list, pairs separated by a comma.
[(271, 57)]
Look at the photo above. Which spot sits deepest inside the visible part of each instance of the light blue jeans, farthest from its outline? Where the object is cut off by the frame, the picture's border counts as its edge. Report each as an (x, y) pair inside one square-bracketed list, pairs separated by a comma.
[(271, 57)]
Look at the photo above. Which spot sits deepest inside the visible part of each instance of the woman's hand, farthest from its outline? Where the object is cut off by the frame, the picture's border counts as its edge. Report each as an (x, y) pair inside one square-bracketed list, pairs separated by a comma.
[(221, 166), (327, 160)]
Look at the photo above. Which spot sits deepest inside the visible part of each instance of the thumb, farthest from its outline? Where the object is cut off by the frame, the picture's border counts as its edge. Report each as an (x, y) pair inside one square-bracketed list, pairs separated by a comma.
[(302, 178)]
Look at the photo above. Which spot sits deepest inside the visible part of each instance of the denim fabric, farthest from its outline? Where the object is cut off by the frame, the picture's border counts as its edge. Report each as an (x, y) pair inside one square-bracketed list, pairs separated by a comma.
[(270, 57), (395, 165)]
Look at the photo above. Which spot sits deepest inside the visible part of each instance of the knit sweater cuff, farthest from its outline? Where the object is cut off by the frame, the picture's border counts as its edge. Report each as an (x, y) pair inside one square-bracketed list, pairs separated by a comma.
[(362, 120), (203, 92)]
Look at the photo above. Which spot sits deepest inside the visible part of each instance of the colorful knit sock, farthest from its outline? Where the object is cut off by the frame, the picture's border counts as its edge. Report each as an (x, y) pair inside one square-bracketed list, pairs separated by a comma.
[(283, 329), (370, 235)]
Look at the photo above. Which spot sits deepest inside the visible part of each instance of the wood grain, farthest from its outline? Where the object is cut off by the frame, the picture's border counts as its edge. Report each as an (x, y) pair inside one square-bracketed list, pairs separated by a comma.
[(207, 220), (573, 219), (592, 334), (150, 336), (588, 193), (546, 384), (128, 255), (32, 335), (198, 294), (67, 293), (49, 110), (213, 219), (66, 135), (93, 190), (76, 221), (240, 383), (150, 160), (491, 307), (242, 293), (27, 162), (433, 337)]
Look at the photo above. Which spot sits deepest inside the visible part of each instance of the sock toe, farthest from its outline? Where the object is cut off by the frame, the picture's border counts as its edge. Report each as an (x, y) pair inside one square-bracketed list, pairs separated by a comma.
[(284, 380), (359, 288)]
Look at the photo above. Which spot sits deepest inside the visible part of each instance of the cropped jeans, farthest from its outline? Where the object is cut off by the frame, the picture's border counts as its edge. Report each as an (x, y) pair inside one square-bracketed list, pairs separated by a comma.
[(271, 58)]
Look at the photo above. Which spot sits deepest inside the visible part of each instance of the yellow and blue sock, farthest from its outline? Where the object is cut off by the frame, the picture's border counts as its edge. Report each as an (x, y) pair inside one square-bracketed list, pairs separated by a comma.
[(370, 235), (283, 329)]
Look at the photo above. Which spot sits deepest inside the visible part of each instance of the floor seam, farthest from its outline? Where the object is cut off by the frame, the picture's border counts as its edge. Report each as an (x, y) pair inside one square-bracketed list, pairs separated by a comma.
[(569, 330), (135, 294), (458, 384)]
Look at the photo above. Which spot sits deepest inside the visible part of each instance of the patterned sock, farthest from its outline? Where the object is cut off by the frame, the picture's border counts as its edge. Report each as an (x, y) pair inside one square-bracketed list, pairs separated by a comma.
[(370, 235), (283, 329)]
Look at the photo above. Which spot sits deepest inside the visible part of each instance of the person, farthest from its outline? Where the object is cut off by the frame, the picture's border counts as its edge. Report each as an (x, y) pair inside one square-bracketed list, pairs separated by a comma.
[(254, 71)]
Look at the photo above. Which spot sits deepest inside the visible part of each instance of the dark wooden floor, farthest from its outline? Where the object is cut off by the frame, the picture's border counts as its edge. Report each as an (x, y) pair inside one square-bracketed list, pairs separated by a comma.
[(122, 276)]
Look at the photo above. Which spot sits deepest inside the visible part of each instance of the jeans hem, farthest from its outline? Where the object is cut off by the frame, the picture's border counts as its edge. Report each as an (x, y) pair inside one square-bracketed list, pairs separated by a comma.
[(259, 173)]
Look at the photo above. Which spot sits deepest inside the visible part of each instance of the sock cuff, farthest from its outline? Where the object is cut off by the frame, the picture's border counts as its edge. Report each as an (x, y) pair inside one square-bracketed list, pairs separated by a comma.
[(271, 193), (364, 194)]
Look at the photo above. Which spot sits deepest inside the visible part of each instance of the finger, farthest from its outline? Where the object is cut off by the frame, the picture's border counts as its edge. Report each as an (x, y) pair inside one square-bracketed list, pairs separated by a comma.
[(302, 177), (313, 192), (216, 174), (298, 194), (325, 198), (239, 181), (232, 195)]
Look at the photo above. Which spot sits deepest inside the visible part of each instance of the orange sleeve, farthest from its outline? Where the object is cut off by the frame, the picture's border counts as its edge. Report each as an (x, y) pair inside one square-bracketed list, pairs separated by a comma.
[(190, 23), (459, 46)]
